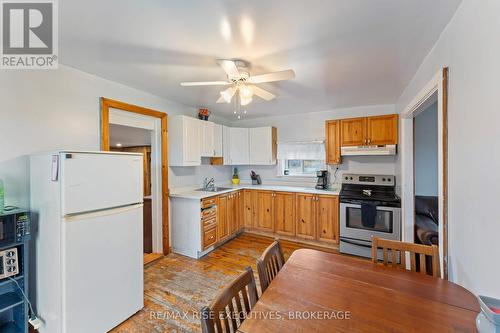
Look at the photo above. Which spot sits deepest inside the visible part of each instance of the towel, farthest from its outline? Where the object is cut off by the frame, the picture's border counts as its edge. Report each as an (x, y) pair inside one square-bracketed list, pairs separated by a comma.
[(368, 214)]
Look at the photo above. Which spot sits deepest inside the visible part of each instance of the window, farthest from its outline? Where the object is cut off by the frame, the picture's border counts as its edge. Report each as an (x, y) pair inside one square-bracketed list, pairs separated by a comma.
[(302, 167), (301, 159)]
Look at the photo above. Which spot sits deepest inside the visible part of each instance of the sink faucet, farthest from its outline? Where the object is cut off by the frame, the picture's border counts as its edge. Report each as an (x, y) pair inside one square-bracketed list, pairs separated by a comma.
[(209, 184)]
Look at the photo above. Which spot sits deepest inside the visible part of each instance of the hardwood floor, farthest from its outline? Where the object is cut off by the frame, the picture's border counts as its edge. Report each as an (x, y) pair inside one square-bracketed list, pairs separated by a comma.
[(176, 287)]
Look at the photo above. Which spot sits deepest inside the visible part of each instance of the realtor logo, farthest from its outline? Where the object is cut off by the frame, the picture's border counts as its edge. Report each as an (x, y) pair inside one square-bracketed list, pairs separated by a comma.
[(29, 34)]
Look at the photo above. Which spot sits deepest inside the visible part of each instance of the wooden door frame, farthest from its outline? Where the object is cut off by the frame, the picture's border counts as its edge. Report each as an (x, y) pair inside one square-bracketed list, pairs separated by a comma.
[(106, 104), (439, 84)]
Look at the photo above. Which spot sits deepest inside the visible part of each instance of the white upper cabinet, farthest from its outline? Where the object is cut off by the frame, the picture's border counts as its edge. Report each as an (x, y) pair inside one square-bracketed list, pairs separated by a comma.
[(239, 146), (226, 147), (184, 134), (262, 145), (218, 135), (207, 138)]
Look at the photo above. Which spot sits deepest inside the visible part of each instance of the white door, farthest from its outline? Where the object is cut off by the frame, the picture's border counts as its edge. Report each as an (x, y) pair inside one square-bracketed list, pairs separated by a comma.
[(102, 269), (217, 140), (207, 138), (98, 181), (239, 146), (260, 144), (192, 141)]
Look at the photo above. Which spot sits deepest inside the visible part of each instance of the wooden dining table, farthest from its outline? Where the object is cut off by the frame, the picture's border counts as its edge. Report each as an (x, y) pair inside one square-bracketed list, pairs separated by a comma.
[(323, 292)]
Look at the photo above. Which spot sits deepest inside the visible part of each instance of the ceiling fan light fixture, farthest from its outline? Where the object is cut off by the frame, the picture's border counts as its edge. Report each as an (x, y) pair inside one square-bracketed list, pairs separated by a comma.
[(246, 91), (227, 94), (245, 100)]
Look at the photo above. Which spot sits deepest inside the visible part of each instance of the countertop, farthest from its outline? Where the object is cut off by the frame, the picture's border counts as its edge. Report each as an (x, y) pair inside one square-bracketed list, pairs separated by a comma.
[(198, 195)]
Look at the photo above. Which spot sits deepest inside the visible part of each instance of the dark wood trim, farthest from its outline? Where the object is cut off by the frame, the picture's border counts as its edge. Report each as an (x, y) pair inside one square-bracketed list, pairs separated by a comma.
[(109, 103), (445, 172)]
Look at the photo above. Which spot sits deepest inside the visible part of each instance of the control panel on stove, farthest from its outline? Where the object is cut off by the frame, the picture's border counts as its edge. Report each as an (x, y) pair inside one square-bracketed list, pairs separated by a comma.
[(9, 264), (385, 180)]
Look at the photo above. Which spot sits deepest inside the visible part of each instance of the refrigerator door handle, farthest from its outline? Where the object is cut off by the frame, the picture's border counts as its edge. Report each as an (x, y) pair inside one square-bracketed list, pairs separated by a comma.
[(102, 212)]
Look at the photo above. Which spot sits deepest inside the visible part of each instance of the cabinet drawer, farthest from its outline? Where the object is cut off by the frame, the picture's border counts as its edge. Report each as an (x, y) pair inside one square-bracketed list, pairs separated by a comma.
[(209, 223), (209, 213), (209, 237), (208, 202)]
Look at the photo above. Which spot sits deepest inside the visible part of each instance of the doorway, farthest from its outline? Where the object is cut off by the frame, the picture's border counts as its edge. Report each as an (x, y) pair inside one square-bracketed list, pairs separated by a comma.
[(433, 95), (425, 173), (126, 127)]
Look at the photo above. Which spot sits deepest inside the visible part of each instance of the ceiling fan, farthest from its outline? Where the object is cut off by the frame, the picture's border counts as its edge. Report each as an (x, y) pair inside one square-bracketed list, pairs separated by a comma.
[(241, 82)]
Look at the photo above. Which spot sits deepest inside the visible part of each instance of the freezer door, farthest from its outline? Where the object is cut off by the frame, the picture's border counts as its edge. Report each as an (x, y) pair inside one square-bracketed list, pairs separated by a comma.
[(93, 182), (102, 269)]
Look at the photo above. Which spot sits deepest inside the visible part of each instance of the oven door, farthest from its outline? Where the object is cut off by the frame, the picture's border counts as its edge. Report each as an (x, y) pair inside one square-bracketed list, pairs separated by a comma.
[(387, 223)]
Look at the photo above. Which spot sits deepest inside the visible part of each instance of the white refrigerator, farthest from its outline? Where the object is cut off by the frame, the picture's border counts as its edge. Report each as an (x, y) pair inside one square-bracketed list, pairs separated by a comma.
[(89, 251)]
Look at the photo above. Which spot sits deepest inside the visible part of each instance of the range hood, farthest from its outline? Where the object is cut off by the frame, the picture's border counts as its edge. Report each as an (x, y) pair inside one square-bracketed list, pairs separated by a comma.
[(368, 150)]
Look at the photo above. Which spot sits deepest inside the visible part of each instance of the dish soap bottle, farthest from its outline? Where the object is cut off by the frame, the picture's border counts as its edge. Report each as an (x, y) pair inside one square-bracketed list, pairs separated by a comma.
[(2, 195), (236, 179)]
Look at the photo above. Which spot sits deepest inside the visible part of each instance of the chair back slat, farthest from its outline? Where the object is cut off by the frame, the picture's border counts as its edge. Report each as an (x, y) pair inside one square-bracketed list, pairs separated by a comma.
[(398, 255), (269, 264), (221, 316)]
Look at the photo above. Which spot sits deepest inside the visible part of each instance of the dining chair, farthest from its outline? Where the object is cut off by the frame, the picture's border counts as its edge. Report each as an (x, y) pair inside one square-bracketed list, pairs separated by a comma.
[(222, 316), (269, 264), (398, 255)]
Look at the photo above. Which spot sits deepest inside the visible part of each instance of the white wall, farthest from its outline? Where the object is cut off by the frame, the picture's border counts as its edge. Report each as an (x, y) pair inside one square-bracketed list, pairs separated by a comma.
[(49, 110), (426, 152), (469, 47), (311, 126)]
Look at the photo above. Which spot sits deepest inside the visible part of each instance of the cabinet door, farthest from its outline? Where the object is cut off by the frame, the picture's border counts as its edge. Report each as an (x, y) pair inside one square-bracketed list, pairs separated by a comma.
[(262, 145), (218, 135), (383, 130), (306, 216), (247, 209), (222, 219), (232, 213), (353, 132), (284, 213), (265, 214), (238, 146), (328, 218), (333, 142), (240, 209), (192, 141), (207, 138)]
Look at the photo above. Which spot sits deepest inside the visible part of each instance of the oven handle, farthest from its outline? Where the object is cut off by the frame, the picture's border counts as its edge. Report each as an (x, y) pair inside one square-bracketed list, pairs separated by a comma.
[(355, 243)]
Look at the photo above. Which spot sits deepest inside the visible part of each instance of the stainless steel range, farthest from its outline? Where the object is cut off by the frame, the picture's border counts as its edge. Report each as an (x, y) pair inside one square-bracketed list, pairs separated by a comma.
[(369, 207)]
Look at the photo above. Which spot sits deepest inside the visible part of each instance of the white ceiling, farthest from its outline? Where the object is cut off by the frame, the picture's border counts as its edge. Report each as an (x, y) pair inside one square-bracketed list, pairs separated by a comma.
[(129, 136), (344, 52)]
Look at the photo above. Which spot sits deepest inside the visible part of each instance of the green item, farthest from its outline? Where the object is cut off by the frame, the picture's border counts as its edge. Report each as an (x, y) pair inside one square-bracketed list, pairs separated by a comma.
[(2, 197), (235, 174)]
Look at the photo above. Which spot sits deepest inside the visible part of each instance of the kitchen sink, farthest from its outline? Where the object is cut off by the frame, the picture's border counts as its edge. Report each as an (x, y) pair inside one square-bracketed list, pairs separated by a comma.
[(214, 189)]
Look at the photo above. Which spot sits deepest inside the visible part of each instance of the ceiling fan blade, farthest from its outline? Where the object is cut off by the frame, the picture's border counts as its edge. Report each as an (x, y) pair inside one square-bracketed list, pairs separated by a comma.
[(230, 68), (208, 83), (264, 94), (271, 77)]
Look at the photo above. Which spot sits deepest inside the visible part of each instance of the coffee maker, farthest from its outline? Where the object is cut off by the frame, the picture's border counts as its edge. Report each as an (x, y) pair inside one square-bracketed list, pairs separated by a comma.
[(322, 183)]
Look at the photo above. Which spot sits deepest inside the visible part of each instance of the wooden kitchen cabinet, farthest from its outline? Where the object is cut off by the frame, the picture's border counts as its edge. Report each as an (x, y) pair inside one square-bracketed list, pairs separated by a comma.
[(284, 213), (332, 142), (353, 132), (306, 216), (327, 218), (264, 211), (382, 130), (248, 211), (222, 218), (375, 130), (232, 212)]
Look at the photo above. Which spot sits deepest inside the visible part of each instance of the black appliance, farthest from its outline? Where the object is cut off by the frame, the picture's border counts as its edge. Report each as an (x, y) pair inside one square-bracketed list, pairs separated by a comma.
[(369, 207), (322, 183)]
